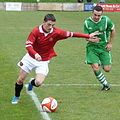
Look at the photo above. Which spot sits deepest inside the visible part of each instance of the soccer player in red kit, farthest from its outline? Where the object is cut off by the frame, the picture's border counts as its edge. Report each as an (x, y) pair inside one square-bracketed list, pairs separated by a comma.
[(39, 45)]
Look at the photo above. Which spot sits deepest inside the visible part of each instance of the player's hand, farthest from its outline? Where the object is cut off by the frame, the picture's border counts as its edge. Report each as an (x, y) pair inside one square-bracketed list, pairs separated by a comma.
[(109, 46), (94, 34), (94, 39), (38, 57)]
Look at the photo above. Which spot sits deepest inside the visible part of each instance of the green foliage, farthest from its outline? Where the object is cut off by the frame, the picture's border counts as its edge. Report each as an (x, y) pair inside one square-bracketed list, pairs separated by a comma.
[(75, 102)]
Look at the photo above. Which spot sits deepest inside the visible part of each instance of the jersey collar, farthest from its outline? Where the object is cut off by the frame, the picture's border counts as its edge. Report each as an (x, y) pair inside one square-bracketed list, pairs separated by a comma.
[(41, 31), (94, 21)]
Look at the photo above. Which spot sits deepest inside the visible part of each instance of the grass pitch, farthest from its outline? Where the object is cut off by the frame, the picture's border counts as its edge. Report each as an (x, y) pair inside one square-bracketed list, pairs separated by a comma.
[(76, 102)]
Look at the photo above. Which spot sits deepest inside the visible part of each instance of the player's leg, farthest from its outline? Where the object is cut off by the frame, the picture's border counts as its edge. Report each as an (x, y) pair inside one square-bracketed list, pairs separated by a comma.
[(41, 73), (19, 83), (19, 86), (37, 81), (106, 61), (107, 68), (92, 58), (25, 67), (100, 76)]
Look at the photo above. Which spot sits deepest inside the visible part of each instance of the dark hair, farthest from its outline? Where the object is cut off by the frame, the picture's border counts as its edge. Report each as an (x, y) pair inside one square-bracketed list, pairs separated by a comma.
[(98, 8), (49, 17)]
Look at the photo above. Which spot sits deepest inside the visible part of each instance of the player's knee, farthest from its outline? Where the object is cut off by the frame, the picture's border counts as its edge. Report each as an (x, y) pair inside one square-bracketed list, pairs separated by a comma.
[(20, 80), (107, 68), (38, 83), (95, 67)]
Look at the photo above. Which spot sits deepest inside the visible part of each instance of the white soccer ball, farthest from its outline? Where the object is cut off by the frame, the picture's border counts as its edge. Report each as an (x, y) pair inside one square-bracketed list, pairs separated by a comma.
[(49, 104)]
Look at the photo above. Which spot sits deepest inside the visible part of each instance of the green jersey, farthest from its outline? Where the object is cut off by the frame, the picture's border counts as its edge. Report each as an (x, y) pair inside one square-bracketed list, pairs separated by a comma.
[(104, 26)]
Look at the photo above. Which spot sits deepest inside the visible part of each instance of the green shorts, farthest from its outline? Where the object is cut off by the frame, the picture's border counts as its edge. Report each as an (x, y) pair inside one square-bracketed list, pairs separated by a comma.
[(98, 54)]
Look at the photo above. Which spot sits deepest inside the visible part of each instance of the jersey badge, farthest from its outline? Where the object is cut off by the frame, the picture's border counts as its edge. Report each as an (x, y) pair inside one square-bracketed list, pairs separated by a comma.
[(51, 39)]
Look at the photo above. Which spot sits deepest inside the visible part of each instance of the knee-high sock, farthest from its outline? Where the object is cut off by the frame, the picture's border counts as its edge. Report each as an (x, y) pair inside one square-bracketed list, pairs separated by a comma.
[(33, 83), (101, 78), (18, 89)]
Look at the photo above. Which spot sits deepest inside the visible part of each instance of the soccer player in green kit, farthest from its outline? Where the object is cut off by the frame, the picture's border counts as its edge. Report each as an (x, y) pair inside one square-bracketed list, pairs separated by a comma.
[(99, 54)]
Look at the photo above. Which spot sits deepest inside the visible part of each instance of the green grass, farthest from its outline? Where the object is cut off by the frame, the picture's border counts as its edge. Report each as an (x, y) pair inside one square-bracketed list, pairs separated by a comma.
[(75, 102)]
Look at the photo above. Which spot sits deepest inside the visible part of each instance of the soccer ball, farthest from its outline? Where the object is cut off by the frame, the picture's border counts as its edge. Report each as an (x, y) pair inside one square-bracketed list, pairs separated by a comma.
[(49, 104)]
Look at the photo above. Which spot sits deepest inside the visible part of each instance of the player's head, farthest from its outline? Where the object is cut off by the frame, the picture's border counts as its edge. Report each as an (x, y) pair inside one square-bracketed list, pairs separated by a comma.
[(97, 13), (49, 22)]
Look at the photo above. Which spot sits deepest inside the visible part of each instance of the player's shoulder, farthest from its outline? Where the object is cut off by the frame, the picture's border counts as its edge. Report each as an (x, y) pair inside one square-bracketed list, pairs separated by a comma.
[(35, 29), (57, 30), (88, 19), (105, 17)]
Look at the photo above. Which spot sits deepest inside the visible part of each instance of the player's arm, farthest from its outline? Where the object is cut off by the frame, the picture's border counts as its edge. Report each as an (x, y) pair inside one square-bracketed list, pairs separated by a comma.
[(66, 34), (90, 37), (29, 46), (110, 41), (112, 35), (111, 28)]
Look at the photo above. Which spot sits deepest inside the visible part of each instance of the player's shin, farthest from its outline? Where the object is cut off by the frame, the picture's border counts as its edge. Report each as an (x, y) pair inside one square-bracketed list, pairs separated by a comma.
[(18, 89), (102, 79)]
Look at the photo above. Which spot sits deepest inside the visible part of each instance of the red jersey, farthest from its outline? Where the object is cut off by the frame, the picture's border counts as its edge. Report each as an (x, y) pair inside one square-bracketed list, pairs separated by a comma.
[(43, 43)]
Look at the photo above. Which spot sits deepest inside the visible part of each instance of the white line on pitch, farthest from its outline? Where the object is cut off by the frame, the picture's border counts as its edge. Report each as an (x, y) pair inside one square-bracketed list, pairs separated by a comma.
[(37, 103), (65, 84)]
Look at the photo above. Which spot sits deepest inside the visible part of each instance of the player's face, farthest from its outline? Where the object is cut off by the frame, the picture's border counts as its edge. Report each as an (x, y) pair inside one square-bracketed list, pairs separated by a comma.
[(48, 25), (97, 15)]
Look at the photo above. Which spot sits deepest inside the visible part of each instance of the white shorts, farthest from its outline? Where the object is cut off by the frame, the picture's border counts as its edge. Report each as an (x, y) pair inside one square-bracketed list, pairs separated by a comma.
[(28, 64)]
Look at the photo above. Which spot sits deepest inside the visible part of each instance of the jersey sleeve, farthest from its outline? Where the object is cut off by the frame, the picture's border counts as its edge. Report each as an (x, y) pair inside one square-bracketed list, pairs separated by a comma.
[(86, 27), (110, 24), (66, 34), (62, 34), (30, 41)]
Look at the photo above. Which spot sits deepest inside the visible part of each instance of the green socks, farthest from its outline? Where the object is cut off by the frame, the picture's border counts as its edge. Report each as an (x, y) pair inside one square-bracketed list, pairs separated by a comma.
[(101, 78)]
